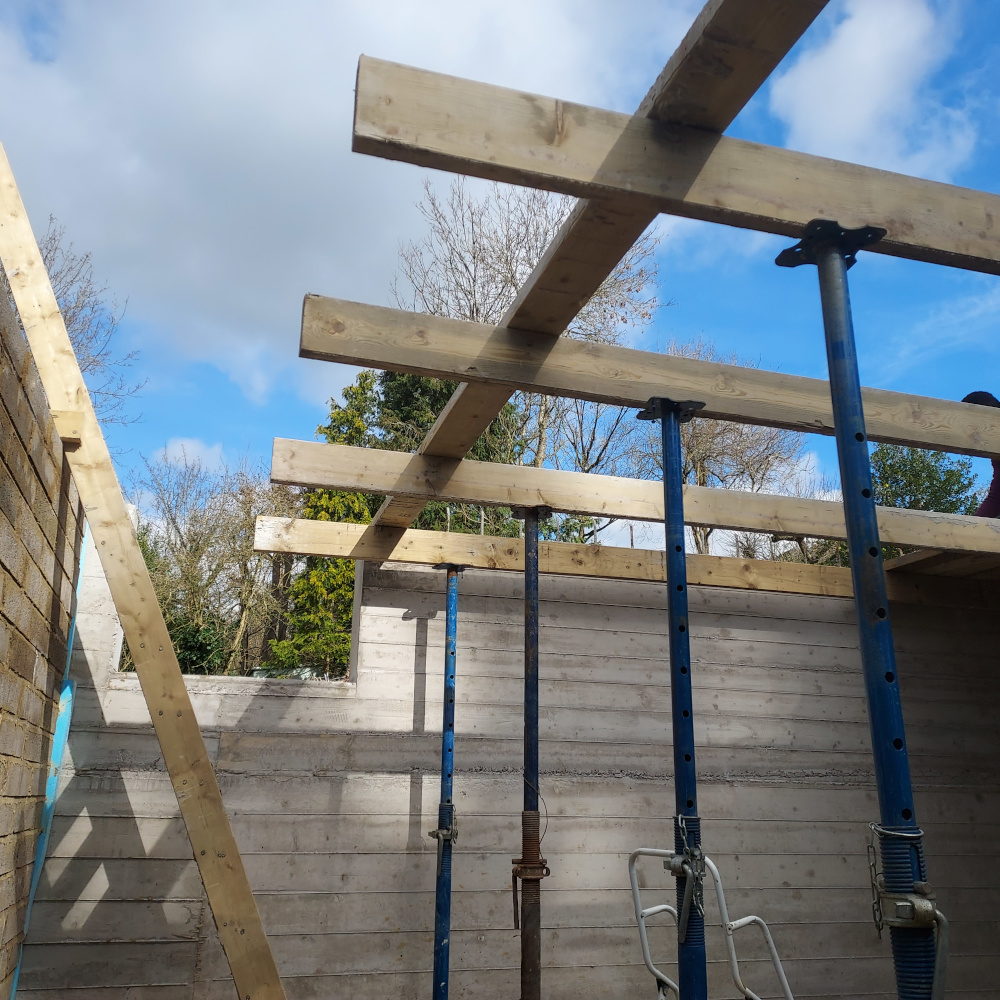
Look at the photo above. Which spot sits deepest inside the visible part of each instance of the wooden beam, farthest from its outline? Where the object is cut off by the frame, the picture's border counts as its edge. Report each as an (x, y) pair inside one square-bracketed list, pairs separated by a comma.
[(374, 336), (69, 425), (370, 470), (968, 565), (732, 47), (184, 752), (374, 543), (727, 54), (485, 131), (380, 544)]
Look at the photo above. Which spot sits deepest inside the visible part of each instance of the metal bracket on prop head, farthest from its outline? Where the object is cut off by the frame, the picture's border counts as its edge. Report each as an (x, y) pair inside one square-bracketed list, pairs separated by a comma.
[(459, 568), (659, 405), (821, 232), (519, 513)]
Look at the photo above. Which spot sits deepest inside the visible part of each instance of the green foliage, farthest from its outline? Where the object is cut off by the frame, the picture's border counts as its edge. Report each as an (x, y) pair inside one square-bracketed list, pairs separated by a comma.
[(201, 647), (321, 598), (395, 411), (923, 480), (384, 410), (321, 602), (355, 422)]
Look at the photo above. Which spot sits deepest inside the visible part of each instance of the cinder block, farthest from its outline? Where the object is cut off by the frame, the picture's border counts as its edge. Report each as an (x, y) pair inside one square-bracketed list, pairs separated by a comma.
[(22, 655), (32, 705), (12, 554), (11, 735), (10, 683)]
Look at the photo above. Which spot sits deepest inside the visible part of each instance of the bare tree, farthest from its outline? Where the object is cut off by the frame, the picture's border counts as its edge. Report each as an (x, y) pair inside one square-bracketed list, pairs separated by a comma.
[(222, 600), (471, 264), (728, 455), (477, 254), (92, 322)]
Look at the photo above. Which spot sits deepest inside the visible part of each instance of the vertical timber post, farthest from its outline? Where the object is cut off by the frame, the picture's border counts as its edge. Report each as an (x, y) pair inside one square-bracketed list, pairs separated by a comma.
[(446, 833), (688, 866), (530, 868), (903, 898)]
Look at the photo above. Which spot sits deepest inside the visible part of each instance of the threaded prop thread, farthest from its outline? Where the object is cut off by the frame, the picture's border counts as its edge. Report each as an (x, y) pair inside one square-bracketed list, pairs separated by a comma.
[(913, 948), (530, 842), (531, 909), (696, 922)]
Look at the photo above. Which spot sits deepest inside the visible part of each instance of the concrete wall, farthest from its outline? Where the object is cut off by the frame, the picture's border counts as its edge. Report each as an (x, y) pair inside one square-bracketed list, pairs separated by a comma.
[(40, 525), (332, 788)]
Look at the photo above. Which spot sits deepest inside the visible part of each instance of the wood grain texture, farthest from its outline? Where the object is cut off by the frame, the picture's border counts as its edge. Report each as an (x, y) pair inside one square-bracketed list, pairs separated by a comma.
[(354, 541), (723, 59), (376, 336), (370, 470), (183, 747), (373, 543), (446, 123)]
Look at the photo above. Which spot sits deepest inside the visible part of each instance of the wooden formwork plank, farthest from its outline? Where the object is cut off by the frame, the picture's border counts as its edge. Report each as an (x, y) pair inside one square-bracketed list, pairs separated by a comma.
[(372, 470), (379, 337), (183, 747), (726, 55), (375, 543)]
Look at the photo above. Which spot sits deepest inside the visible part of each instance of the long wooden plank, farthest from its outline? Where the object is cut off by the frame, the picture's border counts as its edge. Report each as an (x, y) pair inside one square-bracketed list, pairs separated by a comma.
[(374, 543), (375, 336), (977, 565), (478, 129), (370, 470), (729, 51), (184, 751)]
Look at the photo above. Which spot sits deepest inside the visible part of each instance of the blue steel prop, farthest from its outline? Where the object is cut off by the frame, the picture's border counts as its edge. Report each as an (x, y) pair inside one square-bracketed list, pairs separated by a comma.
[(60, 738), (689, 864), (902, 897), (530, 868), (447, 832)]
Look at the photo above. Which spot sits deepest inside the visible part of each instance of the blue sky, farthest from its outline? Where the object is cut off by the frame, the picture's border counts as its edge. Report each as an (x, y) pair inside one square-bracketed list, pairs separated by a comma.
[(202, 153)]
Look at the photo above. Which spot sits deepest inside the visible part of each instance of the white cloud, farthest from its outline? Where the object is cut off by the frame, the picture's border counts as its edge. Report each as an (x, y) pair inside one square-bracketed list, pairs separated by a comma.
[(193, 450), (862, 94), (962, 323), (693, 245), (202, 151)]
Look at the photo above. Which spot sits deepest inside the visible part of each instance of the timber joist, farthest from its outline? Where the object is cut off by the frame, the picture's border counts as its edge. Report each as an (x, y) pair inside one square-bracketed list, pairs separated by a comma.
[(502, 360), (375, 543), (443, 122), (424, 478)]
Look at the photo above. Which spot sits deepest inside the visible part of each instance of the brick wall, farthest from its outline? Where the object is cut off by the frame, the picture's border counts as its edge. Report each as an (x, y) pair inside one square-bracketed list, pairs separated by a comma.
[(40, 531)]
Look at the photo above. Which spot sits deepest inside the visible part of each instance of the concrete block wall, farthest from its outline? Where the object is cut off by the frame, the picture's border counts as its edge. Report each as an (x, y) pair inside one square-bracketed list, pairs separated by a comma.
[(332, 787), (40, 534)]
